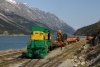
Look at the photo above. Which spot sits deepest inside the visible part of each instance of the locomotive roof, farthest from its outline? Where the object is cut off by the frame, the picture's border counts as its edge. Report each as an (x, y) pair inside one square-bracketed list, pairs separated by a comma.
[(38, 28)]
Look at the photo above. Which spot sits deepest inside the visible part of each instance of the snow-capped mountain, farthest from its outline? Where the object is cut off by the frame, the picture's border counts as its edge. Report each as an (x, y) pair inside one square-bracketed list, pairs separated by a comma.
[(20, 17)]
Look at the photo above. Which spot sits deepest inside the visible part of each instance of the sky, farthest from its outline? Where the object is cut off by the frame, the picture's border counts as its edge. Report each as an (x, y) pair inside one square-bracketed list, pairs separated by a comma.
[(76, 13)]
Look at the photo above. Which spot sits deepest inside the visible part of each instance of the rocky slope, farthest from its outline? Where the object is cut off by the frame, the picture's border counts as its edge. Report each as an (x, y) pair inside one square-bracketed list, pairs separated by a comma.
[(18, 17)]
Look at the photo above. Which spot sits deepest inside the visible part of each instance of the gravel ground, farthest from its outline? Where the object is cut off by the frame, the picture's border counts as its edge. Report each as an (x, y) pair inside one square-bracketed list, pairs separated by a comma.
[(54, 53), (18, 64), (67, 63)]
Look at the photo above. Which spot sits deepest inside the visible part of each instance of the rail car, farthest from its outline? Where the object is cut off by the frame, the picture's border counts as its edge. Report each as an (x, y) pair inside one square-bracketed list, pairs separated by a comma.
[(72, 40), (88, 37), (40, 42)]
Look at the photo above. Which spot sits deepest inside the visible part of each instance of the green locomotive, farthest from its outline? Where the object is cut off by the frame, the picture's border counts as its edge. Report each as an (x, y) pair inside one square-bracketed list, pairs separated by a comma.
[(40, 42)]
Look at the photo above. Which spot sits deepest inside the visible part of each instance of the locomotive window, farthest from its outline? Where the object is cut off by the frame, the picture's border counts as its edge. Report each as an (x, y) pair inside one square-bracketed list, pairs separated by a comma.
[(41, 33), (36, 32), (31, 33), (48, 36)]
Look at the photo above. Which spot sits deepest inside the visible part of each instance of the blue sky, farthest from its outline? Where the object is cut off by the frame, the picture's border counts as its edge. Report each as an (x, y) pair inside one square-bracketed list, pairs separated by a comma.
[(76, 13)]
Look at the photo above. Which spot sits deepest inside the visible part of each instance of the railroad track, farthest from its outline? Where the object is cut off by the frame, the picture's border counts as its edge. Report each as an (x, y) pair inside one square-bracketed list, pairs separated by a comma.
[(55, 62), (10, 58), (41, 63), (9, 55), (31, 63), (12, 61)]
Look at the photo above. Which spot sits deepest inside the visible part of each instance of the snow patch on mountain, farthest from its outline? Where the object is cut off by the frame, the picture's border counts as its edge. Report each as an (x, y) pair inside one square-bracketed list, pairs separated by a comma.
[(12, 1), (26, 4)]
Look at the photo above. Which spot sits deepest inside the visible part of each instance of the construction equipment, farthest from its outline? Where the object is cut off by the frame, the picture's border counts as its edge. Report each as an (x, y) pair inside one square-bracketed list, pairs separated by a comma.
[(60, 38)]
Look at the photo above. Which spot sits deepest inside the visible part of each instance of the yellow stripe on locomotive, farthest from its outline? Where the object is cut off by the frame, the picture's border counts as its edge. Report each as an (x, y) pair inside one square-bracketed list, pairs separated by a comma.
[(37, 35)]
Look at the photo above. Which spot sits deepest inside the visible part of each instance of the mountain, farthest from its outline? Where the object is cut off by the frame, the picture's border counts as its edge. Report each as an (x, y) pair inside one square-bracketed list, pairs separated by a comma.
[(90, 29), (17, 17)]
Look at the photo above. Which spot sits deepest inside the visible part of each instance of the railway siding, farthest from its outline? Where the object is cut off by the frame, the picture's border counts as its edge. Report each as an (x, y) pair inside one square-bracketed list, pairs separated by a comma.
[(57, 58)]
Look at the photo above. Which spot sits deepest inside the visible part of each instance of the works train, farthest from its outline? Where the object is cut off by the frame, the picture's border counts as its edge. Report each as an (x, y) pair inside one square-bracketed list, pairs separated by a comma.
[(40, 42)]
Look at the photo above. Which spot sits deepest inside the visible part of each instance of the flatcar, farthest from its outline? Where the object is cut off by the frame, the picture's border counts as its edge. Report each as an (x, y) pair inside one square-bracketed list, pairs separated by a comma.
[(39, 43)]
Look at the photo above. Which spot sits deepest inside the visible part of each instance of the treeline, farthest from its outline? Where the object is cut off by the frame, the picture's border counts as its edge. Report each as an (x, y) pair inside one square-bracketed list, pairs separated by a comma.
[(91, 29)]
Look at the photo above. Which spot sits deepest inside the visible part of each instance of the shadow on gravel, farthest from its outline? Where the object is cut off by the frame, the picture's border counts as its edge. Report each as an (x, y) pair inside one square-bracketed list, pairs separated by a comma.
[(25, 57)]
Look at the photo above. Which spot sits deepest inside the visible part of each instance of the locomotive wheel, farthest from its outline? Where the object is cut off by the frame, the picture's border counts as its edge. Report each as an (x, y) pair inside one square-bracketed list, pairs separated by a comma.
[(48, 51), (50, 48)]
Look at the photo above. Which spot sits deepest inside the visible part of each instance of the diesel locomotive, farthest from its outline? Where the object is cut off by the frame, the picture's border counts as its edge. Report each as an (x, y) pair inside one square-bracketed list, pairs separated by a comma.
[(39, 43)]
